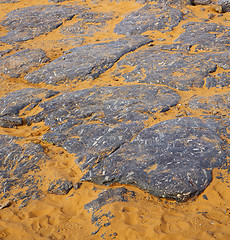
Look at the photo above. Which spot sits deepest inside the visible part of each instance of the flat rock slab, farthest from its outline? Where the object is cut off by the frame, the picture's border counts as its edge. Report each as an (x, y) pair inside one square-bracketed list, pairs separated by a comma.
[(175, 68), (85, 62), (30, 22), (88, 24), (102, 218), (18, 164), (93, 123), (172, 159), (219, 102), (206, 36), (21, 62), (150, 17), (14, 102)]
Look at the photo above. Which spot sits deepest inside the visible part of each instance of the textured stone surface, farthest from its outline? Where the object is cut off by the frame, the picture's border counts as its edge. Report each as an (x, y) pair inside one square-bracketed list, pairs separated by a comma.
[(93, 123), (171, 159), (30, 22), (206, 36), (86, 62), (14, 102), (103, 219), (18, 165), (222, 6), (88, 24), (60, 187), (219, 102), (22, 61), (150, 17), (175, 68)]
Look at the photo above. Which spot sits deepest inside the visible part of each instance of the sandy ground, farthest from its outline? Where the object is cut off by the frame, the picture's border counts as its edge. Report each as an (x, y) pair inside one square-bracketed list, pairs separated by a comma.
[(145, 217)]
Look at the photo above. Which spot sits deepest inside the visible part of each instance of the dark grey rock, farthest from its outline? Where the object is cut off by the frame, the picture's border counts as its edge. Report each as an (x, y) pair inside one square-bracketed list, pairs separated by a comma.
[(85, 62), (179, 3), (206, 36), (216, 111), (3, 52), (21, 62), (201, 2), (222, 6), (60, 187), (30, 22), (19, 163), (10, 122), (219, 102), (88, 24), (174, 68), (172, 159), (8, 1), (219, 80), (103, 219), (93, 123), (14, 102), (150, 17)]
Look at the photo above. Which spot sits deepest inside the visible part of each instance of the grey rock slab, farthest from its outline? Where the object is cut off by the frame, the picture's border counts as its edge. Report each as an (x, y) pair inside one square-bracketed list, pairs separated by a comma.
[(60, 187), (172, 159), (172, 66), (95, 122), (102, 218), (219, 80), (30, 22), (19, 163), (88, 24), (85, 62), (150, 17), (14, 102), (218, 102), (222, 6), (206, 36), (22, 61), (8, 1)]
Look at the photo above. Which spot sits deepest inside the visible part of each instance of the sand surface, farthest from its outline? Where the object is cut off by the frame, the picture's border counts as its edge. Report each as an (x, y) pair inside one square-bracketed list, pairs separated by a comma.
[(205, 217)]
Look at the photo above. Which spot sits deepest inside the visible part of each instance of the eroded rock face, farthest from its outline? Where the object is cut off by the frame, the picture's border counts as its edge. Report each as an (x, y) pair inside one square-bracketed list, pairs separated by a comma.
[(14, 102), (30, 22), (216, 102), (150, 17), (172, 159), (102, 218), (21, 62), (206, 36), (93, 123), (177, 68), (18, 164), (85, 62)]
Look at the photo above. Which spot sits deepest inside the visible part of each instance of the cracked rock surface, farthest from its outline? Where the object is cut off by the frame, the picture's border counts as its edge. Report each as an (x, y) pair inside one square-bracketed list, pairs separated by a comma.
[(85, 62), (170, 159)]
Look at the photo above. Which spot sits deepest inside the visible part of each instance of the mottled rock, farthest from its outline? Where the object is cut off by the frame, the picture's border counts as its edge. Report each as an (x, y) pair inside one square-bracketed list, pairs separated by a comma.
[(85, 62), (222, 6), (108, 196), (93, 123), (219, 80), (19, 164), (2, 53), (8, 1), (24, 99), (201, 2), (172, 159), (30, 22), (150, 17), (21, 62), (60, 187), (88, 24), (174, 68), (206, 36), (219, 102)]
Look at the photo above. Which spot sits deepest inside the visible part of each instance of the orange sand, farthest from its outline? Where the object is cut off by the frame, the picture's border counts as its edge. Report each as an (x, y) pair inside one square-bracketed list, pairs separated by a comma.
[(145, 217)]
